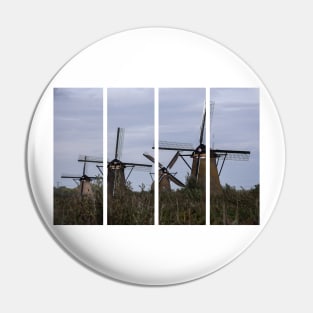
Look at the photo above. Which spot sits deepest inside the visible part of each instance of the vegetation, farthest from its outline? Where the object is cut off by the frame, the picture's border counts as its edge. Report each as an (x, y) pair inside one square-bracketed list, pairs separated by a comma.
[(183, 207), (129, 207), (235, 207), (72, 209)]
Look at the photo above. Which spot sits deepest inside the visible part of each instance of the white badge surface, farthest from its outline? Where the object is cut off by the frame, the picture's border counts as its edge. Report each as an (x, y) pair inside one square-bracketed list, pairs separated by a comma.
[(134, 177)]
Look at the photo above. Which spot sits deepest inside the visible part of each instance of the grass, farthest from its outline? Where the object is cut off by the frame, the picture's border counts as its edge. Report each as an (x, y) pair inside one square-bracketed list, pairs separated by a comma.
[(182, 207), (72, 209), (131, 208), (235, 207), (185, 206)]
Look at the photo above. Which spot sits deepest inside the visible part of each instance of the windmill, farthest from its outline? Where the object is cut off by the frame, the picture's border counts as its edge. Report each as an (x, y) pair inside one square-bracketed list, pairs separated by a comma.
[(165, 177), (198, 154), (218, 158), (116, 168), (84, 181)]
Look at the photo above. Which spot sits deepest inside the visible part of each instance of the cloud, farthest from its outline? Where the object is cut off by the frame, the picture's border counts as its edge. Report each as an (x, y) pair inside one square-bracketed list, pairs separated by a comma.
[(180, 111), (78, 129), (235, 126), (133, 110)]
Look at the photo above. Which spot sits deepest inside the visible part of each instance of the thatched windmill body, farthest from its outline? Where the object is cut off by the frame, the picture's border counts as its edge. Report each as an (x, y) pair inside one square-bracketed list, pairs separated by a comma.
[(165, 176), (116, 167)]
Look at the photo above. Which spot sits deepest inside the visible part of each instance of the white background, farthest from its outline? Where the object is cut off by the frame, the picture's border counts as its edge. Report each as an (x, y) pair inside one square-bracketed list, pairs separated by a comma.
[(274, 273)]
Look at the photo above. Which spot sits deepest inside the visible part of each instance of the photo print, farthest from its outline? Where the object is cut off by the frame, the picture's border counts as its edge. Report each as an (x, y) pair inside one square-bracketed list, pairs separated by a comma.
[(182, 156), (78, 156), (234, 156), (130, 136)]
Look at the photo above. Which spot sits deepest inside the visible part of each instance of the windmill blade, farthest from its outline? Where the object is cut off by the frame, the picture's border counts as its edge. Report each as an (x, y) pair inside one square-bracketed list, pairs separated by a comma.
[(175, 180), (119, 142), (202, 125), (234, 155), (137, 164), (91, 159), (84, 169), (151, 158), (173, 161), (139, 168), (116, 142), (176, 146), (71, 176)]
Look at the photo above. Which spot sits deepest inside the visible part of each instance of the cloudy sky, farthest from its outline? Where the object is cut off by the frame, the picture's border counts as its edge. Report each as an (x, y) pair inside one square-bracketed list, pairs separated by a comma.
[(235, 126), (78, 130), (180, 117), (133, 110)]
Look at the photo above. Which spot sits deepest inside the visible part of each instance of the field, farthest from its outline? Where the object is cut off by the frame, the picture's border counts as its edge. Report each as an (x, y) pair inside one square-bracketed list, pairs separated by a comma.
[(235, 207), (72, 209), (182, 207), (131, 208)]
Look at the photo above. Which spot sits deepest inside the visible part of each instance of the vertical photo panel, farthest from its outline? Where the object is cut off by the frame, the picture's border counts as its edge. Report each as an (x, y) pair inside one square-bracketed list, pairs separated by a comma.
[(182, 156), (78, 156), (234, 156), (130, 137)]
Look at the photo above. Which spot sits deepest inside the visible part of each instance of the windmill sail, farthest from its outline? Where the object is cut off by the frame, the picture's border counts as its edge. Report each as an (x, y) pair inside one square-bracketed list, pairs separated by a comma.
[(198, 168), (202, 126), (165, 177), (119, 142)]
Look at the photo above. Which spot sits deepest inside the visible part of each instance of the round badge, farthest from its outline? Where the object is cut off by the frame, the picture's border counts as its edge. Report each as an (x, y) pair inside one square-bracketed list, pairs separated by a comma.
[(117, 156)]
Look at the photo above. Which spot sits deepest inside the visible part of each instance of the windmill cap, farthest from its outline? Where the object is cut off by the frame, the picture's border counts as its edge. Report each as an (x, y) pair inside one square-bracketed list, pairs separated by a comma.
[(201, 149)]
